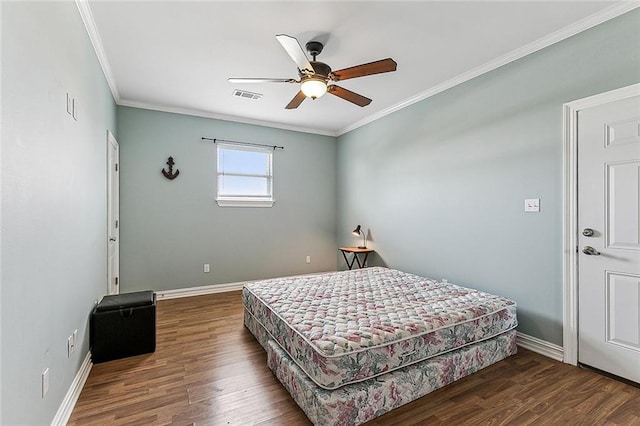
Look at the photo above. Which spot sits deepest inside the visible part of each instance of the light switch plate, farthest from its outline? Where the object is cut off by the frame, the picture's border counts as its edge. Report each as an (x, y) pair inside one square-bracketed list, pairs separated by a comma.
[(532, 205)]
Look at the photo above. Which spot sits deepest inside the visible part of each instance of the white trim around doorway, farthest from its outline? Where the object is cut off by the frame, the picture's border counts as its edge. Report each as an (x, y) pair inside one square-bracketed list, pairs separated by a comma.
[(570, 212)]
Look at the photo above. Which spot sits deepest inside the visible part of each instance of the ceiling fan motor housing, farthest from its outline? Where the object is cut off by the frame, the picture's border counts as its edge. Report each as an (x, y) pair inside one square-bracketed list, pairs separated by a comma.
[(321, 69)]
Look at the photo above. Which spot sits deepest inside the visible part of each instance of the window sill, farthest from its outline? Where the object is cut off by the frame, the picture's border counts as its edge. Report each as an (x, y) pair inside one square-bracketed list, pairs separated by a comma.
[(239, 202)]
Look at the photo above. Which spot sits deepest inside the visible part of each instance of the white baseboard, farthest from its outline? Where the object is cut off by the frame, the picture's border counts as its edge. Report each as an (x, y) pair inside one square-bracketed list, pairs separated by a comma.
[(210, 289), (70, 399), (198, 291), (540, 346)]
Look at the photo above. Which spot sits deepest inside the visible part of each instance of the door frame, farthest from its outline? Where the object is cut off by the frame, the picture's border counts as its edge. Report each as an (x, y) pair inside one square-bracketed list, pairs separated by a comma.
[(111, 141), (570, 212)]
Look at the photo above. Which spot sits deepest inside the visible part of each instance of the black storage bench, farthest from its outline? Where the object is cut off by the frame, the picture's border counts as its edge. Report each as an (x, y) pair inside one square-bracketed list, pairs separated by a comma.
[(123, 325)]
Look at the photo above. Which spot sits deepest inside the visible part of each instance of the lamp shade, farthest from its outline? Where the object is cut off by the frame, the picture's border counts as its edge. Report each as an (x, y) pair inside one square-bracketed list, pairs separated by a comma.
[(361, 232), (313, 87)]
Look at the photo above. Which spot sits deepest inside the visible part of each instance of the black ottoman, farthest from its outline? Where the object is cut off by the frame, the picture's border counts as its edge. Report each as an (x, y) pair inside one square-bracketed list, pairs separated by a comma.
[(123, 325)]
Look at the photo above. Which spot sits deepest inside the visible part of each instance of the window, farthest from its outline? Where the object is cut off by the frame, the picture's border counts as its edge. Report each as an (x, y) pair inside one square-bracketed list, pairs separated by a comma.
[(245, 176)]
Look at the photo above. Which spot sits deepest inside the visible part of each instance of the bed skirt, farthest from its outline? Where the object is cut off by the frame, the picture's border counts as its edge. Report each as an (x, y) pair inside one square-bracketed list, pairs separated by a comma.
[(357, 403)]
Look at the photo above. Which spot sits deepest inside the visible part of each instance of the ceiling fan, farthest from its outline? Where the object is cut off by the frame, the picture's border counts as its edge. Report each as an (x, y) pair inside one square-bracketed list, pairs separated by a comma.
[(315, 76)]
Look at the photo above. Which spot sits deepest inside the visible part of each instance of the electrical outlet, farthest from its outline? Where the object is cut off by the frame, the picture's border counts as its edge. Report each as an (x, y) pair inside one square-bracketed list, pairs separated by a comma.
[(308, 259), (207, 267), (45, 382)]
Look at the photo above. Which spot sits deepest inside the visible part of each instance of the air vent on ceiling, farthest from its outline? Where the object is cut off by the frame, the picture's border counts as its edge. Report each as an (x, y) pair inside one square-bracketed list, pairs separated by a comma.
[(247, 95)]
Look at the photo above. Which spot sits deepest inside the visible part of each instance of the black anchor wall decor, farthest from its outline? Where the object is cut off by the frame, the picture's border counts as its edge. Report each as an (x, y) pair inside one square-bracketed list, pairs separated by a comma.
[(170, 174)]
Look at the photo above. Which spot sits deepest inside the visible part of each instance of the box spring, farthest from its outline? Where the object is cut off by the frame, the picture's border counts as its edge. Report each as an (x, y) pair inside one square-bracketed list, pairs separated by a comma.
[(360, 402)]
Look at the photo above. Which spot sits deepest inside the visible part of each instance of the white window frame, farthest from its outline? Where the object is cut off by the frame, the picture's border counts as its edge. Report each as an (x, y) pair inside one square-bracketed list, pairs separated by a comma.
[(243, 200)]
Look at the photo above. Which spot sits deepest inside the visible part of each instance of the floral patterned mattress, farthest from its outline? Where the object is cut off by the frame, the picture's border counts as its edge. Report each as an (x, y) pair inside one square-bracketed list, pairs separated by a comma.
[(346, 327)]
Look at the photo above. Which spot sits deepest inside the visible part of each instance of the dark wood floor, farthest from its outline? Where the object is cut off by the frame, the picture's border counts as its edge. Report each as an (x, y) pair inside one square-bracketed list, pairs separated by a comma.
[(209, 370)]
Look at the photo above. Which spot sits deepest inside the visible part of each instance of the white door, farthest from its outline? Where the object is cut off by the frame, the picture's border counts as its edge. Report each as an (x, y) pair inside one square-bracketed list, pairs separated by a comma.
[(113, 215), (609, 237)]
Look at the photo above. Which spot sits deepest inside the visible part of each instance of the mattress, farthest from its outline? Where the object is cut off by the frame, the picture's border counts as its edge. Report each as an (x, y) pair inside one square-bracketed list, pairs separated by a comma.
[(346, 327)]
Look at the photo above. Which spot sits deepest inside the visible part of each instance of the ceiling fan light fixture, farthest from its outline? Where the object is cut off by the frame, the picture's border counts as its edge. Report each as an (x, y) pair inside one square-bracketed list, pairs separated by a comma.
[(313, 87)]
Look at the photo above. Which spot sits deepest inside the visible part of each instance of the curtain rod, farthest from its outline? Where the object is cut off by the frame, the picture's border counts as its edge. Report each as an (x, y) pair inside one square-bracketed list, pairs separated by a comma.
[(242, 143)]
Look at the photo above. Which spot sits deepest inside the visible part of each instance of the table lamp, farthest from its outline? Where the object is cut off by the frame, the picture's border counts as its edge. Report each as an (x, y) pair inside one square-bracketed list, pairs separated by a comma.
[(358, 231)]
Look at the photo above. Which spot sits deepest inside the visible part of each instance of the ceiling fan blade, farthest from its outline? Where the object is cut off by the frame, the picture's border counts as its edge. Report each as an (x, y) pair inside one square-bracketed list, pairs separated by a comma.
[(294, 50), (348, 95), (377, 67), (262, 80), (296, 101)]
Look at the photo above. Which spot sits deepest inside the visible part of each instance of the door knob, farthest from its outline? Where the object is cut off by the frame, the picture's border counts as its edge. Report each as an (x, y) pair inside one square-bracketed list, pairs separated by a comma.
[(112, 239), (587, 232), (590, 251)]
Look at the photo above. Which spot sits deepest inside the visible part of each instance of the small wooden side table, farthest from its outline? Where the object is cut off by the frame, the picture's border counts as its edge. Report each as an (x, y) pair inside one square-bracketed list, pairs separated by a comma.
[(355, 259)]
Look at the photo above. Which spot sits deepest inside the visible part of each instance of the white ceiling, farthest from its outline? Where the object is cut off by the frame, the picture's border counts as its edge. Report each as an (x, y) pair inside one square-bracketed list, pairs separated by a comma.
[(177, 55)]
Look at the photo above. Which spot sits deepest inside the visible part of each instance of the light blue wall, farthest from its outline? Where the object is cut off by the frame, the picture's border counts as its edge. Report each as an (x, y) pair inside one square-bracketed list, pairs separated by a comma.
[(441, 184), (170, 229), (54, 225)]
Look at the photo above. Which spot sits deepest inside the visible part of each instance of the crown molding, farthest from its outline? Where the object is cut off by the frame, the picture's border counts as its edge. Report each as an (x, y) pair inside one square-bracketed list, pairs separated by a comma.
[(206, 114), (96, 41), (589, 22), (611, 12)]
